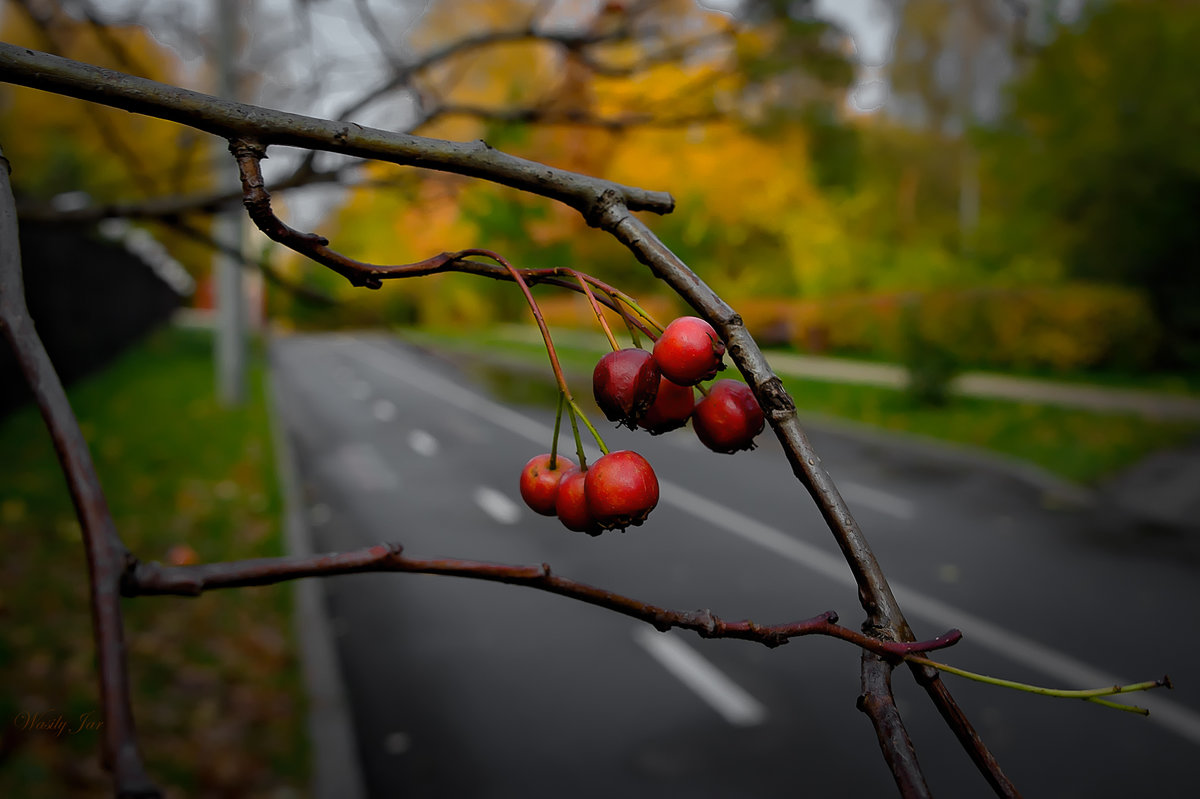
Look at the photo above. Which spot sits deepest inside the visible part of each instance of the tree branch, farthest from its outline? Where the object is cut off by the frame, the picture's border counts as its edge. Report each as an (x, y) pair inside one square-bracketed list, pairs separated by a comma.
[(605, 205), (542, 116), (167, 207), (155, 578), (106, 555), (878, 702), (985, 762), (237, 120)]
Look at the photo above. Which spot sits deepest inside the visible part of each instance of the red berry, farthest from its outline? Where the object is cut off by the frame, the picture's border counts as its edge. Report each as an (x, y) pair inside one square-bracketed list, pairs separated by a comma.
[(689, 351), (572, 506), (539, 482), (729, 418), (671, 409), (624, 384), (621, 489)]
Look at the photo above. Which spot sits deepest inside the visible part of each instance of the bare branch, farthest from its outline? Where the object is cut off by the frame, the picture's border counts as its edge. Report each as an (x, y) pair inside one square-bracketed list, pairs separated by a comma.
[(106, 555), (964, 731), (238, 120), (168, 207), (542, 116), (155, 578), (262, 264), (605, 205), (878, 702), (404, 75)]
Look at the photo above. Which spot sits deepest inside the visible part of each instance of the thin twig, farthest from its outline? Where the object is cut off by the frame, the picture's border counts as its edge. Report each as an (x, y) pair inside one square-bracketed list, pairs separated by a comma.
[(1090, 694), (156, 578), (233, 120)]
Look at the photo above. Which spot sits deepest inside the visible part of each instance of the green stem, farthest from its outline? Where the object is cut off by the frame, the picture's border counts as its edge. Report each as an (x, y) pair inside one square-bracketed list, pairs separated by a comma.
[(639, 310), (587, 290), (557, 426), (578, 440), (629, 325), (618, 298), (1089, 694), (583, 417)]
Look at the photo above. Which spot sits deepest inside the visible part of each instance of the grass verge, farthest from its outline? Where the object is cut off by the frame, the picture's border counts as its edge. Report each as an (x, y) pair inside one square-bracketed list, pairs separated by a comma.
[(217, 692), (1079, 445)]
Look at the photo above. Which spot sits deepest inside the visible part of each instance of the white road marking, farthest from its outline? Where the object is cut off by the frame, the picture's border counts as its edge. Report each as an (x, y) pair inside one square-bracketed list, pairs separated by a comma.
[(423, 443), (363, 467), (497, 505), (708, 682), (876, 500), (1173, 716), (383, 410), (319, 514)]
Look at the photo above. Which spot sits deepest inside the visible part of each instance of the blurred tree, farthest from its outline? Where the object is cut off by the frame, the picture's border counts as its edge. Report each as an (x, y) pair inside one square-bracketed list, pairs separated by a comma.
[(1098, 161), (86, 154), (748, 91)]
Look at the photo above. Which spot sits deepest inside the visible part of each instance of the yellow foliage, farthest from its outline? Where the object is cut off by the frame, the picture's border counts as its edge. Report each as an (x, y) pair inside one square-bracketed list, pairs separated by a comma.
[(112, 154), (1064, 328)]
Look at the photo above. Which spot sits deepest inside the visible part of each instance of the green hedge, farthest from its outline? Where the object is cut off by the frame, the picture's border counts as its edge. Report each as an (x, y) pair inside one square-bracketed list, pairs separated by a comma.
[(1064, 328)]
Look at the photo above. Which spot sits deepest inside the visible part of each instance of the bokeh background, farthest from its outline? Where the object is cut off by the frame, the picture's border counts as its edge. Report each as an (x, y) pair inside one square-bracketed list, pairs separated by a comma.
[(937, 188)]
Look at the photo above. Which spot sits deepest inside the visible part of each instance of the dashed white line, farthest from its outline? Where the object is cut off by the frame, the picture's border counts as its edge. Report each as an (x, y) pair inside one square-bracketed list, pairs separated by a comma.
[(362, 466), (1171, 715), (319, 514), (722, 694), (423, 443), (383, 410), (497, 505)]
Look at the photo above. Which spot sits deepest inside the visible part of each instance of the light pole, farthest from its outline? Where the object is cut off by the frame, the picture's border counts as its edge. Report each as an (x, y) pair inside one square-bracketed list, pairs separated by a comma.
[(227, 227)]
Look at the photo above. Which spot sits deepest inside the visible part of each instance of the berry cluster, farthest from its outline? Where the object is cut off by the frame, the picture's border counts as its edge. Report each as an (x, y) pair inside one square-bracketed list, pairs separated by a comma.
[(654, 391)]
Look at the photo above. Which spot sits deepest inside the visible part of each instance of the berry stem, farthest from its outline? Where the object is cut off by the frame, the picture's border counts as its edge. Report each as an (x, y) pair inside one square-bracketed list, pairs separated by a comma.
[(1088, 694), (583, 417), (578, 441), (537, 316), (587, 290), (557, 426), (646, 322), (633, 331), (639, 310)]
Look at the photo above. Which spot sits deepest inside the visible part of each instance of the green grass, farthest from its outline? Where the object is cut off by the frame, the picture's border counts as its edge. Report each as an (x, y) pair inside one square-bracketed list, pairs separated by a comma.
[(1075, 444), (217, 693)]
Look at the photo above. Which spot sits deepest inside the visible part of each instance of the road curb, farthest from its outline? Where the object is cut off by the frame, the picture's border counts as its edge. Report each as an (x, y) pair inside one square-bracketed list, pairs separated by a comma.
[(336, 771), (1055, 490)]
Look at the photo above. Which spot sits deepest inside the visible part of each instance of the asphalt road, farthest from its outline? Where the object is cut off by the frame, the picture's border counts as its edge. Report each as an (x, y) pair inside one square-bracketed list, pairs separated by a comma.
[(467, 689)]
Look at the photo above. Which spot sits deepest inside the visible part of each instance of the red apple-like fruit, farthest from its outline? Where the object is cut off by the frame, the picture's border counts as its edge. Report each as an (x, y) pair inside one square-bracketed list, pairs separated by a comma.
[(688, 351), (572, 507), (625, 383), (671, 409), (729, 418), (621, 489), (539, 482)]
